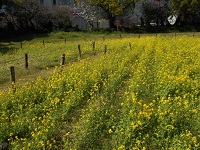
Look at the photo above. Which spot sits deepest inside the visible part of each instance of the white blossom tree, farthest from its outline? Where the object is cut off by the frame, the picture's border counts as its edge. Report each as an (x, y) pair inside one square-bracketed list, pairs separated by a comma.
[(83, 10)]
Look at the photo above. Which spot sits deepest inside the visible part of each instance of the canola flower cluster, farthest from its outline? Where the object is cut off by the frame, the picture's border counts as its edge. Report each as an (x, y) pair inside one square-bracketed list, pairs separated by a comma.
[(143, 94)]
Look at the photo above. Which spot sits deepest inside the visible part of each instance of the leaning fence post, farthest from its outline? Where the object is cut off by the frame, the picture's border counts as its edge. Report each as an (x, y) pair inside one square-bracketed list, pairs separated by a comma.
[(130, 46), (63, 59), (105, 49), (193, 34), (120, 36), (26, 61), (93, 46), (12, 74), (79, 50)]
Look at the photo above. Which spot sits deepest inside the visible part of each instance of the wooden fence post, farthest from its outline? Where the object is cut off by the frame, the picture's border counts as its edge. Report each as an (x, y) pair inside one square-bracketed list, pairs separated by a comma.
[(93, 46), (26, 61), (63, 59), (120, 36), (139, 36), (12, 74), (65, 40), (79, 50), (105, 49), (130, 46)]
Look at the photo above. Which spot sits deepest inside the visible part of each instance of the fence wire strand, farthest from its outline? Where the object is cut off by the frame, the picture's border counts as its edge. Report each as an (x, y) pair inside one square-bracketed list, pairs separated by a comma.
[(12, 60), (40, 61)]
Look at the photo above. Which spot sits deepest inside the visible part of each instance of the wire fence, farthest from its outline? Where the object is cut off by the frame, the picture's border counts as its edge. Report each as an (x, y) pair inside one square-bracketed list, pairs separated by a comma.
[(32, 63), (24, 64)]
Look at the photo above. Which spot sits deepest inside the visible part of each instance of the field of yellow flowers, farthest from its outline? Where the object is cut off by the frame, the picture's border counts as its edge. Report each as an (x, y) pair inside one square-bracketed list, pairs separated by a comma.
[(144, 93)]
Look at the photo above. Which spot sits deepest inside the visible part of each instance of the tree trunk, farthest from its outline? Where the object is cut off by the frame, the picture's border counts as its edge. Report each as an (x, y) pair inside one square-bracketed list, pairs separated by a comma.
[(112, 21)]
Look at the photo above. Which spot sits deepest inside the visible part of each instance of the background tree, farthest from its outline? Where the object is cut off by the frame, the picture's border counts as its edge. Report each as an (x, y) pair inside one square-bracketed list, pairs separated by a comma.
[(24, 16), (61, 19), (20, 14), (3, 2), (188, 11), (156, 12), (114, 8), (84, 10)]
